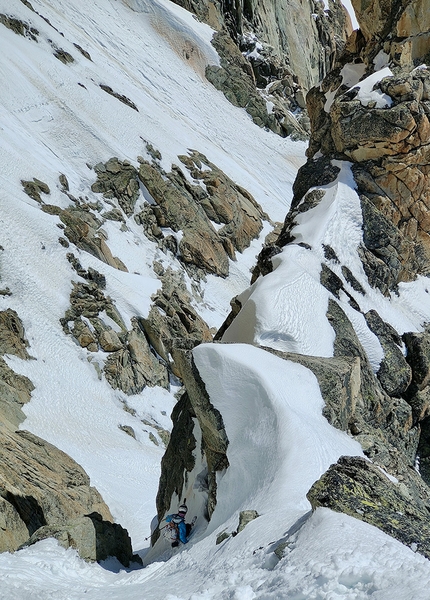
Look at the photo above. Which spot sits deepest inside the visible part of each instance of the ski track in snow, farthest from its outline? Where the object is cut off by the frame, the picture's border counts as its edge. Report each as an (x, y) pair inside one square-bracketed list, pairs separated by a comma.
[(54, 118)]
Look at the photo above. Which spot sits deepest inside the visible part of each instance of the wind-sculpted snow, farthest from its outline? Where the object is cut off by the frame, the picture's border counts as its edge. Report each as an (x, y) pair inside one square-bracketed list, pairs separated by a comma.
[(279, 442)]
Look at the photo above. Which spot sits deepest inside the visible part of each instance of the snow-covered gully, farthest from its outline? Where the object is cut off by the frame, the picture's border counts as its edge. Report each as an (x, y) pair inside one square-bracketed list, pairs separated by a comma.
[(56, 119)]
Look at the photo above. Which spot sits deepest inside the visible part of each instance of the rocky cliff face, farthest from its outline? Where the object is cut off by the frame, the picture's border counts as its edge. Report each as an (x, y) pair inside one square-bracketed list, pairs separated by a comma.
[(379, 123), (273, 52)]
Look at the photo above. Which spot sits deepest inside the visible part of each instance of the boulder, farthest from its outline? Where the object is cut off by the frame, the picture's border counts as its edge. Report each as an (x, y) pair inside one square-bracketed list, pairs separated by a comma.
[(40, 485), (360, 489), (94, 538), (245, 517)]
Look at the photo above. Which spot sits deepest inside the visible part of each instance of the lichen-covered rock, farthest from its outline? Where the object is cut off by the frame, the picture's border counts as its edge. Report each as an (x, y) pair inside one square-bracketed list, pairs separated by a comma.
[(360, 489), (400, 28), (94, 538), (390, 148), (394, 372)]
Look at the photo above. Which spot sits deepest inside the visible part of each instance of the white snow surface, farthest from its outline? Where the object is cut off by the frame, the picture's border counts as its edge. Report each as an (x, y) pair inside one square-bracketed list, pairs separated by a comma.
[(366, 93), (54, 118)]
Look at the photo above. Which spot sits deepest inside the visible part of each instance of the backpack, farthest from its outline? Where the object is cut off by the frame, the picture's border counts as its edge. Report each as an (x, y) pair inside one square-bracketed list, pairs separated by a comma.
[(171, 530)]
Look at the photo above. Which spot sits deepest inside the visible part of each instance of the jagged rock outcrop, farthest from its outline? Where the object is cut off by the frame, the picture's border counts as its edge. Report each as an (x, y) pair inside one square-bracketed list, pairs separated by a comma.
[(382, 126), (192, 210), (118, 179), (388, 147), (130, 363), (134, 366), (172, 318), (357, 488), (15, 390), (80, 224), (394, 371), (283, 29), (400, 28), (236, 79), (180, 456), (418, 357), (355, 401), (82, 228)]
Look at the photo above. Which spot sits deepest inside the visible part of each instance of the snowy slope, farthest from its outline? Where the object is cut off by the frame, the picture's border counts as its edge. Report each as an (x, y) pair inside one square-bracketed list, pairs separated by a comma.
[(54, 118)]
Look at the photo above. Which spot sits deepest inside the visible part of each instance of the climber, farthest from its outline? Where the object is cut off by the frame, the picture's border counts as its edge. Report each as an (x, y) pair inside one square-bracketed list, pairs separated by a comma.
[(178, 530)]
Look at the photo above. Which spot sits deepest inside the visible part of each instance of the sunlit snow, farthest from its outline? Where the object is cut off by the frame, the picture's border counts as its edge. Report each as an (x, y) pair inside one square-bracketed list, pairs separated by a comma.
[(54, 118)]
